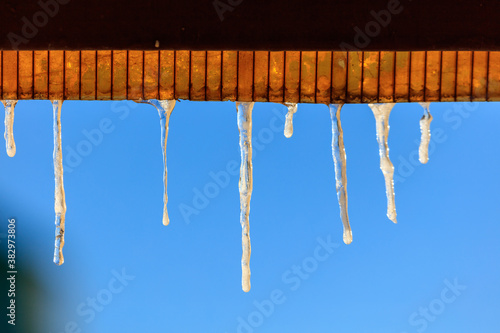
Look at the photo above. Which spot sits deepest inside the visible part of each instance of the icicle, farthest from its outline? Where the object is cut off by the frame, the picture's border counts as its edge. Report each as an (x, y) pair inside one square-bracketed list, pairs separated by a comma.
[(165, 108), (381, 113), (425, 129), (60, 201), (10, 144), (245, 186), (292, 108), (339, 161)]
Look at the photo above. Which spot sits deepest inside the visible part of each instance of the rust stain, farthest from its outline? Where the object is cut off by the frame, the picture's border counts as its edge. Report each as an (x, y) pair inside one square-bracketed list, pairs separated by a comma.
[(135, 75), (308, 77), (386, 77), (261, 76), (464, 76), (292, 76), (9, 75), (370, 77), (417, 76), (167, 75), (25, 84), (119, 75), (198, 69), (88, 77), (41, 72), (245, 76), (480, 75), (402, 78), (432, 76), (354, 77), (229, 75), (324, 77), (339, 77), (56, 75), (151, 74), (448, 76), (182, 77), (276, 78), (214, 75)]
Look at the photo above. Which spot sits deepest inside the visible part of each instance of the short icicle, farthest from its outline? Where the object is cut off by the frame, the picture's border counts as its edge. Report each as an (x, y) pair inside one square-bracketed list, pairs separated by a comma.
[(165, 108), (60, 201), (245, 185), (425, 129), (339, 161), (292, 108), (381, 113), (10, 144)]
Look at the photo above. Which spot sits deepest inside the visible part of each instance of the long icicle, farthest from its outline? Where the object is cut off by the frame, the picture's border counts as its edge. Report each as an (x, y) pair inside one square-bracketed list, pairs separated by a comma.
[(425, 129), (245, 185), (60, 201), (292, 108), (10, 144), (382, 113), (165, 108), (339, 161)]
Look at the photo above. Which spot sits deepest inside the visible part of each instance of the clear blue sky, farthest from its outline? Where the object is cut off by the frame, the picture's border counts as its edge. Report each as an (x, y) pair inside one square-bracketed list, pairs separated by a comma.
[(186, 277)]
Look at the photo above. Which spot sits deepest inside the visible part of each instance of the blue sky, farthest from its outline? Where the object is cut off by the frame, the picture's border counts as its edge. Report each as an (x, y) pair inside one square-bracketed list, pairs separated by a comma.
[(435, 271)]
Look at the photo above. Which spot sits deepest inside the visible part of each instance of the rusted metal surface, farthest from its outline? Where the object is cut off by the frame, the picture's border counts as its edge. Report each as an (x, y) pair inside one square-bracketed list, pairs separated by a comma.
[(276, 76)]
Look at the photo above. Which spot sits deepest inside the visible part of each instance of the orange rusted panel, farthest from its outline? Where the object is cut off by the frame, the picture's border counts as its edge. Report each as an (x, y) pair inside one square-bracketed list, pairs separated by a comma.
[(448, 76), (261, 76), (198, 72), (432, 76), (214, 75), (276, 76), (41, 74), (339, 77), (371, 61), (245, 76), (25, 84), (1, 66), (167, 75), (292, 76), (119, 74), (88, 75), (494, 77), (135, 75), (402, 79), (104, 75), (354, 74), (9, 75), (308, 77), (324, 77), (417, 76), (56, 75), (464, 76), (386, 77), (151, 73), (72, 75), (479, 75), (229, 75)]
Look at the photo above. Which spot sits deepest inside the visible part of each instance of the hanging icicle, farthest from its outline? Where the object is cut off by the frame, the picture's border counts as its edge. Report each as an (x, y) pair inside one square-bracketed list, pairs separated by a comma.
[(339, 161), (292, 108), (165, 108), (10, 144), (60, 201), (425, 130), (381, 113), (245, 185)]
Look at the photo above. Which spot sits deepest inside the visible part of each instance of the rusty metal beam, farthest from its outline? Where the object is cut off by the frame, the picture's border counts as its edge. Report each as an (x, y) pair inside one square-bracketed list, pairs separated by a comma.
[(288, 76)]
